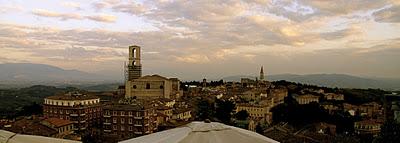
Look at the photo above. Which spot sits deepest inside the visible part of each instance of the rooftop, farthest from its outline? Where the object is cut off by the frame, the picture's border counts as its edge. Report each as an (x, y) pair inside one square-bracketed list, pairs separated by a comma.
[(57, 122), (73, 96)]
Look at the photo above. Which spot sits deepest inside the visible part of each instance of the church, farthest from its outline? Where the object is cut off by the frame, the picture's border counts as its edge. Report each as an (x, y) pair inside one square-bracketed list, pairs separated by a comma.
[(149, 86)]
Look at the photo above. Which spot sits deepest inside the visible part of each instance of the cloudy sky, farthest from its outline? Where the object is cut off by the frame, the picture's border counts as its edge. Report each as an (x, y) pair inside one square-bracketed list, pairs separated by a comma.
[(193, 39)]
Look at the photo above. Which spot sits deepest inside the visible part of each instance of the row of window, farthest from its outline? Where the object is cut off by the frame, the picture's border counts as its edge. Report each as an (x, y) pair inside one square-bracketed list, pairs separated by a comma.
[(72, 103), (148, 86), (122, 121), (123, 113)]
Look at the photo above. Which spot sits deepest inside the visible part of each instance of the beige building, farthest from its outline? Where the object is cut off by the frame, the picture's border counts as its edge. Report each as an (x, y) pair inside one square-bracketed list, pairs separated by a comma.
[(83, 110), (306, 99), (256, 111), (153, 86), (333, 96), (149, 86), (63, 127)]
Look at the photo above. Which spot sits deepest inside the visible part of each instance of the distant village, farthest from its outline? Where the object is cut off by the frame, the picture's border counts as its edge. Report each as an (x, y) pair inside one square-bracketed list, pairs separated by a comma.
[(283, 111)]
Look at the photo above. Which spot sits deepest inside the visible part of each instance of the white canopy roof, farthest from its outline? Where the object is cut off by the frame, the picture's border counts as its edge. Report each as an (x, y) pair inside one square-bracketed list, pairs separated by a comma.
[(200, 132), (10, 137)]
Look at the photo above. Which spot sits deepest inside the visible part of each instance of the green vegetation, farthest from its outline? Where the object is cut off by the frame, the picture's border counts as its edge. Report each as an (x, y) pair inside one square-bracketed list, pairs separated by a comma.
[(26, 100)]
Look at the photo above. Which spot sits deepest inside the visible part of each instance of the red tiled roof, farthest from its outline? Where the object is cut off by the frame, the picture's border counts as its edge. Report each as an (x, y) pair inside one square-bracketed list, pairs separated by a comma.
[(58, 122)]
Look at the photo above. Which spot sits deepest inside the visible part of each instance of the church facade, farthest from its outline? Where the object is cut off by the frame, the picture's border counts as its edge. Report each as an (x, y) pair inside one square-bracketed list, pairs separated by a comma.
[(149, 86)]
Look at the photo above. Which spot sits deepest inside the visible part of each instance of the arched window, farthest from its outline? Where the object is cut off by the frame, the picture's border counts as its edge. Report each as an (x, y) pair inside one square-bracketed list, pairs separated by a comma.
[(147, 85)]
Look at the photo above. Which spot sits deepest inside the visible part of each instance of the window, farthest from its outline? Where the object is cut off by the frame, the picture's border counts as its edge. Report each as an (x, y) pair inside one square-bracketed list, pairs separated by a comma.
[(122, 113), (130, 113), (115, 113), (122, 120), (114, 120), (122, 128), (161, 87), (130, 128), (130, 120), (147, 85), (134, 87), (115, 127)]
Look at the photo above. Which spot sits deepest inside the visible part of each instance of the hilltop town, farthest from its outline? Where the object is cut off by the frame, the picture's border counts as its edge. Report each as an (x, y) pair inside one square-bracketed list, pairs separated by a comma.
[(146, 104)]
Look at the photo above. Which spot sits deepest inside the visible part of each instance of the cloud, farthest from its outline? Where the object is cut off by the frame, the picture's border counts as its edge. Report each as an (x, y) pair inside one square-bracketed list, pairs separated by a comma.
[(10, 8), (390, 15), (74, 5), (102, 18), (67, 16), (131, 8), (193, 59), (52, 14)]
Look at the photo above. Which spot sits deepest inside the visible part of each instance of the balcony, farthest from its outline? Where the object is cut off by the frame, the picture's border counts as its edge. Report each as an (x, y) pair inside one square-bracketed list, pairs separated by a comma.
[(74, 114), (107, 131), (137, 117), (138, 133), (106, 116), (138, 125), (146, 125), (106, 123)]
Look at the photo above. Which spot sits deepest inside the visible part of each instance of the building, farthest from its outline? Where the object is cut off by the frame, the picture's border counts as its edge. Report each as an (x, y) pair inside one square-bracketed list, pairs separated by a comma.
[(307, 99), (371, 109), (182, 114), (333, 96), (253, 95), (31, 126), (372, 127), (256, 111), (134, 65), (152, 87), (82, 109), (278, 94), (129, 120), (392, 107), (64, 127), (262, 74)]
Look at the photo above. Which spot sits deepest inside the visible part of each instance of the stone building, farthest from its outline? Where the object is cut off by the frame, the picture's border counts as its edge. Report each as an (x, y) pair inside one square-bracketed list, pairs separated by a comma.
[(63, 127), (333, 96), (372, 127), (150, 86), (129, 120), (83, 110), (307, 99), (256, 111)]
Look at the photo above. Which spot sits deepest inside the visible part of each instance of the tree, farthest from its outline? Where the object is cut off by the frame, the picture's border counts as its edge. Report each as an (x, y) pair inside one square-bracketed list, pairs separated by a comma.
[(224, 110), (259, 129), (242, 115), (205, 110), (390, 133)]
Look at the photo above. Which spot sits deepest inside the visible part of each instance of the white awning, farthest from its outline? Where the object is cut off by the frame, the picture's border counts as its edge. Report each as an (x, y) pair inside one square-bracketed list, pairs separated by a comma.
[(10, 137), (200, 132)]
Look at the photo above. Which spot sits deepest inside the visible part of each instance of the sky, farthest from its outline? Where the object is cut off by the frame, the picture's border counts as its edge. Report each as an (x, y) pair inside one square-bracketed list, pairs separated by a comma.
[(192, 39)]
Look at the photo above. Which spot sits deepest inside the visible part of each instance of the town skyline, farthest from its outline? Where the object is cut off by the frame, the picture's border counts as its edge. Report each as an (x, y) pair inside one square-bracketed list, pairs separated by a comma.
[(199, 39)]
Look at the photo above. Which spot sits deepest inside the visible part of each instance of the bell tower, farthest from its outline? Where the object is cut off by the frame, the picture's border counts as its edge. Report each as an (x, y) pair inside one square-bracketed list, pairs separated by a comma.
[(134, 65), (262, 74)]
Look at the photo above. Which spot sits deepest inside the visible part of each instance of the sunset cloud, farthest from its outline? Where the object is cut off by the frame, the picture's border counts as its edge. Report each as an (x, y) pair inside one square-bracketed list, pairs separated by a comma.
[(75, 16), (208, 37)]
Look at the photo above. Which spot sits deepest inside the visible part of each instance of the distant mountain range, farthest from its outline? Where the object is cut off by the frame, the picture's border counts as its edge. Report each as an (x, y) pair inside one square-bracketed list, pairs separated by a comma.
[(26, 74), (331, 80)]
